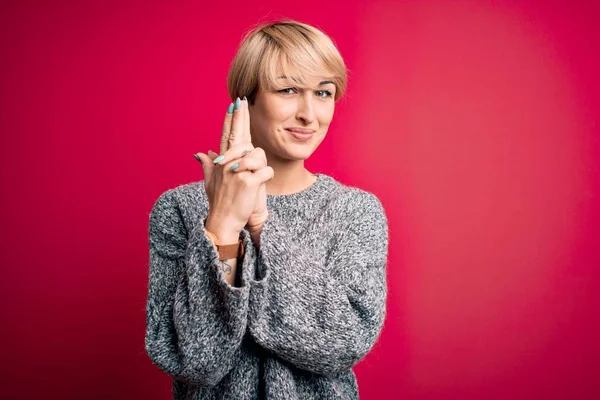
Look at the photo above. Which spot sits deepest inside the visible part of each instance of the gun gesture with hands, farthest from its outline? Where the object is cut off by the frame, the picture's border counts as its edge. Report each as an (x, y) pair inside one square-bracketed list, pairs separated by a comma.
[(235, 180)]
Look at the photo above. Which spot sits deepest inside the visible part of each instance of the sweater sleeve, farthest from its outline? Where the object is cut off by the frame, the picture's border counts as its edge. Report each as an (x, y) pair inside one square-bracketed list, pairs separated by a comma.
[(322, 316), (195, 320)]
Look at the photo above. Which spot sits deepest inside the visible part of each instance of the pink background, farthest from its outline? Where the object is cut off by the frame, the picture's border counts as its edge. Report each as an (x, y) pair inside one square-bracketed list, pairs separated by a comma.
[(475, 122)]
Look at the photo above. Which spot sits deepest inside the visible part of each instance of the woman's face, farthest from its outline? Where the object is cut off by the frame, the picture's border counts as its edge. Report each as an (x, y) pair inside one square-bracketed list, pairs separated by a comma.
[(290, 124)]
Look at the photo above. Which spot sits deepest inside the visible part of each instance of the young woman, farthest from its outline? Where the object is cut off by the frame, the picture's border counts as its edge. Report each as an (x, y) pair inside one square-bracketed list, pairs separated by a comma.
[(268, 281)]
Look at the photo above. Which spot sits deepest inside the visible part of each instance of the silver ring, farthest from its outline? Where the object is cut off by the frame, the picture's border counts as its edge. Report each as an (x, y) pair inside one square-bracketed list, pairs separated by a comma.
[(246, 152)]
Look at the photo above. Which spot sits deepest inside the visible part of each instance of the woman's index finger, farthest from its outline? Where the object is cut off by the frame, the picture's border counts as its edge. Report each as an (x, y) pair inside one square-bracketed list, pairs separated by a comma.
[(226, 132), (236, 135)]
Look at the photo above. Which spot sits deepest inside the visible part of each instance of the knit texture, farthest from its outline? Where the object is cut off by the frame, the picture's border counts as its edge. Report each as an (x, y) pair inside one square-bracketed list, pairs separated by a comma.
[(308, 306)]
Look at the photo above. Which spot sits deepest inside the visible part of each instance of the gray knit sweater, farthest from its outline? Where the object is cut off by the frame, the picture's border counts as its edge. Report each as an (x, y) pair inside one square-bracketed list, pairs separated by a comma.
[(310, 303)]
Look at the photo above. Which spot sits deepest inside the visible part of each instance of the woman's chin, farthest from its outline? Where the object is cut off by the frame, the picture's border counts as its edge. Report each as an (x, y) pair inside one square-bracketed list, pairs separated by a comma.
[(295, 154)]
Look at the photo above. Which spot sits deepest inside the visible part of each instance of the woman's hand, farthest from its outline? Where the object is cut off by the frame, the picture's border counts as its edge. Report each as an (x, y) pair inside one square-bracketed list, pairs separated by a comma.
[(250, 161), (260, 214), (235, 183)]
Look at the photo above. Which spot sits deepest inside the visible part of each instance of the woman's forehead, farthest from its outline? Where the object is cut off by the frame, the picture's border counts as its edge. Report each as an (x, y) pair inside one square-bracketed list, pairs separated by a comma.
[(298, 73), (319, 77)]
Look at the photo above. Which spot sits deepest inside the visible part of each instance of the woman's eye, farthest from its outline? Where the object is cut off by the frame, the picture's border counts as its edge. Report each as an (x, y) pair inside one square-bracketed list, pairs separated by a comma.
[(324, 93), (320, 93), (285, 91)]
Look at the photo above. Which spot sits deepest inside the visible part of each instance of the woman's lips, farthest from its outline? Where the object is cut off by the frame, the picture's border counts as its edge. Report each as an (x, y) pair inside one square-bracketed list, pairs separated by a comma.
[(302, 135)]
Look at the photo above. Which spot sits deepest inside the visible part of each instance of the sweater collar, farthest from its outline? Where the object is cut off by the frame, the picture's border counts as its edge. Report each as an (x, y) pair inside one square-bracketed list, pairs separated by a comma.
[(322, 185)]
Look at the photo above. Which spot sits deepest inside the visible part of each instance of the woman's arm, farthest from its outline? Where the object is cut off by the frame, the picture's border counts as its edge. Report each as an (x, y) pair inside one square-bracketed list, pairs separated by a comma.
[(322, 317), (195, 320)]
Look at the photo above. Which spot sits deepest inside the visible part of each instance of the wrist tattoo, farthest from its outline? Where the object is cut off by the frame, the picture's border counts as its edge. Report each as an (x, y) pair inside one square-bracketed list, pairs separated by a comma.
[(226, 267)]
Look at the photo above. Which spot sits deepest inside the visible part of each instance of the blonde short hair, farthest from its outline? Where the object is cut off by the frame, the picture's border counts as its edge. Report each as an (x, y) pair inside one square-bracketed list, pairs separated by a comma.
[(284, 48)]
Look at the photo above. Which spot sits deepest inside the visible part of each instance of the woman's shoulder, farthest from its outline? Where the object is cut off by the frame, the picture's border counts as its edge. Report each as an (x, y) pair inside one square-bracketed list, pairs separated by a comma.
[(189, 200), (352, 200), (186, 193), (347, 193)]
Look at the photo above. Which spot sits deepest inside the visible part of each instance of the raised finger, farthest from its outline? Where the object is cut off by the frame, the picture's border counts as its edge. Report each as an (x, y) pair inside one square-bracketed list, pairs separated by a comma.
[(237, 125), (225, 133)]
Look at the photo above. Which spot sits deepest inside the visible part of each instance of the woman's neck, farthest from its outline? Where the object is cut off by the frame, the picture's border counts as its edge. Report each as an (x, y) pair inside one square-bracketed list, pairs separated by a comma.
[(290, 177)]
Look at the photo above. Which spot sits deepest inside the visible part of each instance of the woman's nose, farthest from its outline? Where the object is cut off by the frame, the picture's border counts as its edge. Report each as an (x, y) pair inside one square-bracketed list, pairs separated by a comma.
[(306, 109)]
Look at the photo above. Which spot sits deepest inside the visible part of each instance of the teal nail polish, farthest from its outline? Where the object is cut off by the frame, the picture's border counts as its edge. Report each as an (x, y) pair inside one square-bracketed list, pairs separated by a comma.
[(234, 167), (245, 99), (218, 159), (230, 109), (238, 104), (197, 158)]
